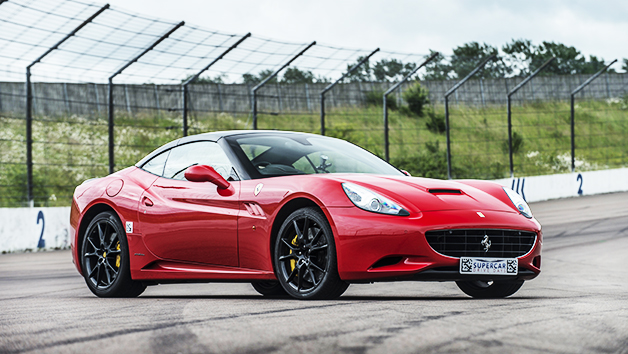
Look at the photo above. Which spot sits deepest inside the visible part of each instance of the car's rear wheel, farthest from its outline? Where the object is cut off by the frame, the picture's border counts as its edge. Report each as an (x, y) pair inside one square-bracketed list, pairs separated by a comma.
[(105, 258), (269, 288), (489, 290), (305, 257)]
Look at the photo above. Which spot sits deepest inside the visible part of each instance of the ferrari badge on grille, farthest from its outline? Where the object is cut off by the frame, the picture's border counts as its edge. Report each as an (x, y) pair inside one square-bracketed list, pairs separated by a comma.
[(486, 243)]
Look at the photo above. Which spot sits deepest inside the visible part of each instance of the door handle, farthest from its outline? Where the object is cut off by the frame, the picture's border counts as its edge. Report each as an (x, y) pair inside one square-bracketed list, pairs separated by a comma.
[(147, 201)]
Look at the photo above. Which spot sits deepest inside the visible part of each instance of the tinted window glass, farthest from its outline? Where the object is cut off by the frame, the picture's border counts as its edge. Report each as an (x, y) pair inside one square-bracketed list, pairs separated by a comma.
[(281, 155), (156, 164), (198, 153)]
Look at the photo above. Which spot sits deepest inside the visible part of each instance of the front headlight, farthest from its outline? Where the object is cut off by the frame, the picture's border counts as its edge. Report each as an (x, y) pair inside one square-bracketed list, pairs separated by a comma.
[(519, 203), (368, 200)]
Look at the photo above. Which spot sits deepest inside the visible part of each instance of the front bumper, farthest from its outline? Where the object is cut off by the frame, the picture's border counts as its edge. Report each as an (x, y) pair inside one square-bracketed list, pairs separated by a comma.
[(375, 247)]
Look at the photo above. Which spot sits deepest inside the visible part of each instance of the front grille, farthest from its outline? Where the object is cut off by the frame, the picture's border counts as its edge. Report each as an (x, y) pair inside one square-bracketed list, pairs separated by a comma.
[(468, 243)]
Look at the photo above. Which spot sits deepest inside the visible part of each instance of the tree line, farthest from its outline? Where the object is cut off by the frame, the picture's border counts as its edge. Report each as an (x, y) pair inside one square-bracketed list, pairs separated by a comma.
[(520, 57)]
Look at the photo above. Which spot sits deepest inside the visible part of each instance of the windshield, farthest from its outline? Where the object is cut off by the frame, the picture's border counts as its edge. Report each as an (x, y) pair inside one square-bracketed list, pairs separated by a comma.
[(296, 154)]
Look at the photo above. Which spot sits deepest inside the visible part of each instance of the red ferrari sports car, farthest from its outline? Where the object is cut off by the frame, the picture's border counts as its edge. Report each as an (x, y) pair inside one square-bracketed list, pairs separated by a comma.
[(295, 214)]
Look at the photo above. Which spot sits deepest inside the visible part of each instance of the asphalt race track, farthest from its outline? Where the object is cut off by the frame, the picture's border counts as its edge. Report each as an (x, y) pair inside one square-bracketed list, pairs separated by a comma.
[(579, 303)]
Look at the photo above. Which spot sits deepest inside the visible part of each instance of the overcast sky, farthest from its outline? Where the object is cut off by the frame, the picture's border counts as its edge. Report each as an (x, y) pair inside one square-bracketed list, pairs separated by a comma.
[(594, 27)]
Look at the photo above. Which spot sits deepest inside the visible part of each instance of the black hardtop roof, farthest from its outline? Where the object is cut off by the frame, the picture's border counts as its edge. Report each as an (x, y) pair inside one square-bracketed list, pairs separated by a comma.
[(214, 136)]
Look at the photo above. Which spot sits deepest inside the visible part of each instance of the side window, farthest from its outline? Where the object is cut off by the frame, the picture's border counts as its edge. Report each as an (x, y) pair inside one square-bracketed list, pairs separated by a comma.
[(156, 164), (198, 153)]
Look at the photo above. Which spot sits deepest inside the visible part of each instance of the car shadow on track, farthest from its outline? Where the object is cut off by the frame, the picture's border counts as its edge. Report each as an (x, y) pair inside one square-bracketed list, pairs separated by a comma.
[(351, 298)]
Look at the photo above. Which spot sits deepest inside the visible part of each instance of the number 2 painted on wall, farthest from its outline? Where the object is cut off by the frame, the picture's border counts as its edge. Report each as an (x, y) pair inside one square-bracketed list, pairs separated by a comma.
[(581, 180), (42, 242)]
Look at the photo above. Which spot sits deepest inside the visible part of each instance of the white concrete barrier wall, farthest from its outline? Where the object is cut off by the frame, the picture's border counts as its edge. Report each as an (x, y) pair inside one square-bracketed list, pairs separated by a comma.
[(49, 228), (539, 188), (23, 229)]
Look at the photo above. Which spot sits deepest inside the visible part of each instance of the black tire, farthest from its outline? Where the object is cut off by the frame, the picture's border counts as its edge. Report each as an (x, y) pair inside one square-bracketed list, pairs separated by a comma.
[(489, 290), (305, 257), (105, 258), (270, 289)]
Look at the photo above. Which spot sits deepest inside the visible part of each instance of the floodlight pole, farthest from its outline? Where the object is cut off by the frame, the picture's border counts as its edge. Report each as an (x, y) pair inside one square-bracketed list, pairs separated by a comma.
[(573, 95), (512, 92), (29, 103), (261, 84), (390, 90), (184, 86), (110, 86), (447, 94), (330, 86)]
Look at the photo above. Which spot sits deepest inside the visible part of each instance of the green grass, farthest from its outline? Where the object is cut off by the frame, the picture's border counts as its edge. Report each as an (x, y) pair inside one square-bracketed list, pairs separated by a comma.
[(68, 150)]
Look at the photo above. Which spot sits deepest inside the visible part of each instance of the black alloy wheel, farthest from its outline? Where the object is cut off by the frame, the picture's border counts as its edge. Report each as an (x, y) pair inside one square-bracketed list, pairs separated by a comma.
[(105, 258), (489, 289), (305, 257)]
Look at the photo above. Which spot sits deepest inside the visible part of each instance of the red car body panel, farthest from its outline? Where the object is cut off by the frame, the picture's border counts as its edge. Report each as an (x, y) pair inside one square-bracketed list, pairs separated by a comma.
[(184, 230)]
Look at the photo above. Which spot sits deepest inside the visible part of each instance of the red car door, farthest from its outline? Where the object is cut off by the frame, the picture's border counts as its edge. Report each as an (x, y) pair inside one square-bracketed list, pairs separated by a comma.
[(191, 221)]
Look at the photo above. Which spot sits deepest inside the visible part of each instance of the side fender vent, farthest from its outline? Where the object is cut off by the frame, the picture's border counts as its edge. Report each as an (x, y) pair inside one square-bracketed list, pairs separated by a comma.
[(254, 209)]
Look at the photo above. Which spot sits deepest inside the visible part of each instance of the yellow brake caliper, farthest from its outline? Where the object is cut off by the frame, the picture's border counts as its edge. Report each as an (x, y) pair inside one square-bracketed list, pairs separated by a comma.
[(118, 256), (293, 263)]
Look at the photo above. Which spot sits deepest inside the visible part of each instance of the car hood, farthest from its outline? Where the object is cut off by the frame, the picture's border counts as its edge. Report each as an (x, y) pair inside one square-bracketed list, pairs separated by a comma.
[(426, 194)]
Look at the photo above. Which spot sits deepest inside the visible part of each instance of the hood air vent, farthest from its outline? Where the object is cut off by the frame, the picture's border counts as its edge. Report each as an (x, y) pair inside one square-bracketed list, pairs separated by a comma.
[(444, 191)]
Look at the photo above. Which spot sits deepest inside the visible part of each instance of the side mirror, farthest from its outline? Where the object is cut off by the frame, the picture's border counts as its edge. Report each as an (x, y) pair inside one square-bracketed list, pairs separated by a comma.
[(406, 173), (204, 173)]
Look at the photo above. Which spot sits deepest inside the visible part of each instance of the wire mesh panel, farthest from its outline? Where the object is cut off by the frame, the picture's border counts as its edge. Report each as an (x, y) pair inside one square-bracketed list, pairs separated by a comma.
[(23, 39), (12, 159), (479, 133), (354, 113), (541, 138), (355, 107), (601, 126), (30, 27)]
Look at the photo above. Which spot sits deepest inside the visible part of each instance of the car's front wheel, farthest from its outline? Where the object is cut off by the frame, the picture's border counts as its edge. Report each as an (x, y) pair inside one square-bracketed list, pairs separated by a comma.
[(105, 258), (305, 257), (489, 289)]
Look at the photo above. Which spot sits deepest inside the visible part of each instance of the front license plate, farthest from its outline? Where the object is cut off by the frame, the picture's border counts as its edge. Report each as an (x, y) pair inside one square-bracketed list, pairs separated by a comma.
[(474, 265)]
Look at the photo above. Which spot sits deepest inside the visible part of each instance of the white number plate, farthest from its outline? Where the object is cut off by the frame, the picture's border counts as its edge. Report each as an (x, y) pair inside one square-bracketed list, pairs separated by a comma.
[(474, 265)]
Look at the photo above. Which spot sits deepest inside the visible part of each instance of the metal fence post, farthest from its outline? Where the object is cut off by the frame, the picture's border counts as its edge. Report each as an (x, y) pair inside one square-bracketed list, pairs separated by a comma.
[(185, 91), (512, 92), (573, 133), (111, 106), (184, 100), (29, 138), (261, 84), (447, 94), (330, 86), (29, 104), (448, 139), (573, 95), (110, 122)]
